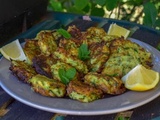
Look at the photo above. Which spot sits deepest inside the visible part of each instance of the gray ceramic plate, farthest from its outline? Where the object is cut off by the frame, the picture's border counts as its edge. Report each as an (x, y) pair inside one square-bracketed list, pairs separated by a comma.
[(129, 100)]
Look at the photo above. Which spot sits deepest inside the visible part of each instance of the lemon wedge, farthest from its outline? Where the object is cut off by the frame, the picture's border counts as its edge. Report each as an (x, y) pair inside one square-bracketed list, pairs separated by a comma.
[(13, 51), (141, 79), (115, 29)]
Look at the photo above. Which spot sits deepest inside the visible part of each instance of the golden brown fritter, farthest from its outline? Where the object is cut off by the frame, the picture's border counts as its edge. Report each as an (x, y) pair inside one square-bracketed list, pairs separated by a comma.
[(70, 45), (119, 64), (74, 42), (108, 84), (46, 42), (47, 87), (22, 70), (75, 32), (99, 54), (31, 49), (82, 92), (130, 48), (66, 57), (125, 55), (42, 64), (95, 34)]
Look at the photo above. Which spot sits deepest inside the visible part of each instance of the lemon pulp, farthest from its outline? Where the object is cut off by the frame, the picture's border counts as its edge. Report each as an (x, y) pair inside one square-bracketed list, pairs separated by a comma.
[(115, 29), (13, 51), (141, 79)]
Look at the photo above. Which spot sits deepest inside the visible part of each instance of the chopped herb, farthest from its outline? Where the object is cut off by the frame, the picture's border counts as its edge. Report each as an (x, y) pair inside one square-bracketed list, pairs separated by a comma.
[(83, 52), (64, 33), (66, 75)]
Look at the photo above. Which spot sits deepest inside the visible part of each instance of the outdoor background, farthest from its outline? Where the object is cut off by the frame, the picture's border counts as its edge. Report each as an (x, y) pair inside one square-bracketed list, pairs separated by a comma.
[(146, 12)]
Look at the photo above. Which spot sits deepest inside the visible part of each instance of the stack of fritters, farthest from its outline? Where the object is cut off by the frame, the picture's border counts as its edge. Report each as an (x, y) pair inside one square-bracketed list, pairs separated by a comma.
[(110, 57)]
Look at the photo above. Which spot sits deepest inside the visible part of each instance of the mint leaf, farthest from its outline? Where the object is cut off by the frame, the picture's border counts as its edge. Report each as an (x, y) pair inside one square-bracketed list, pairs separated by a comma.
[(66, 75), (70, 73), (83, 52), (111, 4), (64, 33), (61, 73)]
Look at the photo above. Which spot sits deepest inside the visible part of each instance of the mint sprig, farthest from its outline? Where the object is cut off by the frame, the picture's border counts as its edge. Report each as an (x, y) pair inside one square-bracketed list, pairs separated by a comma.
[(83, 52), (66, 75), (64, 33)]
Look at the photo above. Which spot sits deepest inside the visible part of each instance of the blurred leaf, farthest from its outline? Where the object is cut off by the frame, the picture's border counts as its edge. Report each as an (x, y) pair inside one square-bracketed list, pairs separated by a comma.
[(97, 12), (87, 8), (134, 2), (150, 12), (55, 5), (111, 4), (100, 2), (73, 9), (138, 2), (80, 4), (127, 9), (157, 23)]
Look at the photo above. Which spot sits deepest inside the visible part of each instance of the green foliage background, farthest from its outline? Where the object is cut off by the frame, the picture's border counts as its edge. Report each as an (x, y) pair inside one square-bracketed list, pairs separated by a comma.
[(146, 12)]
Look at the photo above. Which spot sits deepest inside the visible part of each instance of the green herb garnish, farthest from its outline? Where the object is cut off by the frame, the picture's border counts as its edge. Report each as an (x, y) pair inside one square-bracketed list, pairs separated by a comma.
[(66, 75), (64, 33), (83, 52)]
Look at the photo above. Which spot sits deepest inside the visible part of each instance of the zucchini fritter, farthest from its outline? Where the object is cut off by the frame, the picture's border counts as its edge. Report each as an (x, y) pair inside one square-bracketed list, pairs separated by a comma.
[(46, 42), (95, 34), (31, 49), (75, 32), (125, 55), (66, 57), (22, 70), (47, 87), (82, 92), (70, 45), (119, 64), (43, 64), (99, 54), (127, 47), (109, 85)]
